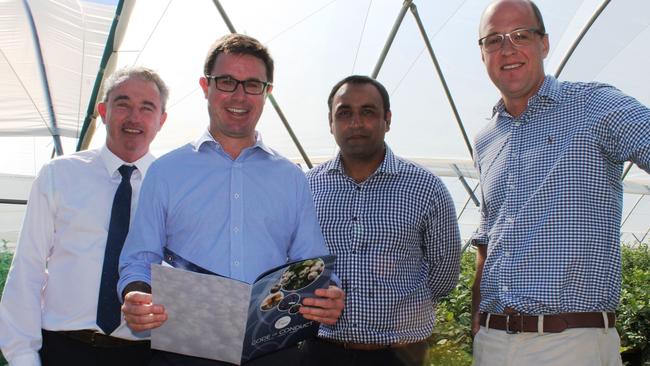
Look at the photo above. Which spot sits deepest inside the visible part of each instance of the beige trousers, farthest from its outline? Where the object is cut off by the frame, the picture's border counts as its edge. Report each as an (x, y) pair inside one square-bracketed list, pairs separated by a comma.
[(573, 347)]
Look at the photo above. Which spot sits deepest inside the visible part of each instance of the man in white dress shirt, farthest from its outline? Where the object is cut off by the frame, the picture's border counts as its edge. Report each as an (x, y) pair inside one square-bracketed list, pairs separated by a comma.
[(49, 308)]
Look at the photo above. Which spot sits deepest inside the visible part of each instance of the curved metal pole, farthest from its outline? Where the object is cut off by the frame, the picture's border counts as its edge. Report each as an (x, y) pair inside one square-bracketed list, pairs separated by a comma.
[(54, 129), (631, 211), (580, 37), (7, 201), (627, 170), (442, 79), (108, 51), (224, 16), (290, 131), (391, 37), (275, 104), (468, 189)]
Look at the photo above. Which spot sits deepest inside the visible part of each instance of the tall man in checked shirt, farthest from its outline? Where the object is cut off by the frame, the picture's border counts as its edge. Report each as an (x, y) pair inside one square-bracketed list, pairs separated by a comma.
[(392, 226), (550, 161), (225, 202)]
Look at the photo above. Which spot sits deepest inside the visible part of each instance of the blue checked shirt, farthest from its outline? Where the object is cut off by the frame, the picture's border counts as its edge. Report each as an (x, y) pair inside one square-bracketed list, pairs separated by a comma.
[(397, 244), (552, 198)]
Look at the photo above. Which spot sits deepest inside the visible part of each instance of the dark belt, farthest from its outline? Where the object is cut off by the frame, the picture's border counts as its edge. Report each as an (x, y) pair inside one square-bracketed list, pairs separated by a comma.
[(97, 339), (366, 346), (553, 323)]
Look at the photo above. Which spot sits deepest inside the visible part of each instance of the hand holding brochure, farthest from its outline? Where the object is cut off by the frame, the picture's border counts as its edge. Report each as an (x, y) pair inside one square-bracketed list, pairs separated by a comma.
[(220, 318)]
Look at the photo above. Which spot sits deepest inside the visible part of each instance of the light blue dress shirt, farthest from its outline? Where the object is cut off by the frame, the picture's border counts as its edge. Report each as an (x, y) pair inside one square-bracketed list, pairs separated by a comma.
[(237, 218)]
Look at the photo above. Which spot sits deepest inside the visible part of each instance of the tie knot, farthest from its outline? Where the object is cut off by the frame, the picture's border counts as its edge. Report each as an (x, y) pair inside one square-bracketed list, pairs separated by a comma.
[(126, 171)]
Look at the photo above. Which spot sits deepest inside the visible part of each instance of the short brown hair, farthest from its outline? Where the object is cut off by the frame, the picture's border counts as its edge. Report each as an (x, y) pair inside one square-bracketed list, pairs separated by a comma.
[(239, 44)]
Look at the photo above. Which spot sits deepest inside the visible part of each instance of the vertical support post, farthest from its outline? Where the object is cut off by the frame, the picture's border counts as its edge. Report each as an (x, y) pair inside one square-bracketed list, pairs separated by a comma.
[(275, 104)]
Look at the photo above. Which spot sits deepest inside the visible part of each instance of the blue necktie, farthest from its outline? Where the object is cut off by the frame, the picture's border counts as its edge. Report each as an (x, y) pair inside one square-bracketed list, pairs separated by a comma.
[(108, 305)]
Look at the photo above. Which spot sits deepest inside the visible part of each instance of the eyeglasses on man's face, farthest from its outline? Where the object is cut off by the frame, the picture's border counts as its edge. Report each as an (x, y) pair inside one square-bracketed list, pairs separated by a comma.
[(518, 38), (229, 84)]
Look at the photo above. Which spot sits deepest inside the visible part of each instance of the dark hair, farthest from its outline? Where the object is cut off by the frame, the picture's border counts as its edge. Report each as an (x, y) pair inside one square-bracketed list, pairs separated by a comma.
[(538, 16), (238, 44), (361, 79)]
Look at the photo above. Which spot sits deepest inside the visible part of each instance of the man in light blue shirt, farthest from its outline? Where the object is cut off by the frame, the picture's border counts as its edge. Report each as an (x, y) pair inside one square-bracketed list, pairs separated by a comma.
[(226, 202)]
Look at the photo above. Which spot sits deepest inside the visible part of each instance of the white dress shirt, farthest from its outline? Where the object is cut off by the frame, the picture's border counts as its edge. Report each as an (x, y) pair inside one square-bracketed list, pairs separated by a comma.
[(54, 278)]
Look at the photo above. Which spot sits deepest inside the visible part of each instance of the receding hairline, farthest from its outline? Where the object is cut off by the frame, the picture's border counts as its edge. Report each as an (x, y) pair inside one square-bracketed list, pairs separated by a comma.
[(533, 8)]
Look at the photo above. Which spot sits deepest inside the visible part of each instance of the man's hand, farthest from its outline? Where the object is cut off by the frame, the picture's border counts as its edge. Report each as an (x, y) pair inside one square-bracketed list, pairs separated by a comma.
[(476, 323), (326, 308), (140, 313), (481, 256)]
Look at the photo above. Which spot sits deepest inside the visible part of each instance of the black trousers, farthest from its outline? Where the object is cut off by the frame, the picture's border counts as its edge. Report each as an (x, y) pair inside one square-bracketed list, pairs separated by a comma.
[(317, 352), (286, 357), (58, 349)]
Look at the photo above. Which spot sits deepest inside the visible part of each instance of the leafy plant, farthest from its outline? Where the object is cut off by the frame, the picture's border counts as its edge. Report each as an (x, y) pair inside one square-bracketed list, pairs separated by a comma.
[(633, 322), (452, 341), (452, 337), (5, 262)]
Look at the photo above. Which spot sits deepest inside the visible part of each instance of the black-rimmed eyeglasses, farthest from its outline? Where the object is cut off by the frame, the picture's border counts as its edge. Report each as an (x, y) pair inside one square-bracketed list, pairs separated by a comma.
[(518, 38), (229, 84)]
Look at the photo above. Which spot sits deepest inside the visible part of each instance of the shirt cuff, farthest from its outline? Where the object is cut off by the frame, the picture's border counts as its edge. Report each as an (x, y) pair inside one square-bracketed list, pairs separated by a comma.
[(478, 240), (26, 359)]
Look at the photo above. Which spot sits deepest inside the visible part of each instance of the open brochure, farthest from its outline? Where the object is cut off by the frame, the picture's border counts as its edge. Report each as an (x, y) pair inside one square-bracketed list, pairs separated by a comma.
[(223, 319)]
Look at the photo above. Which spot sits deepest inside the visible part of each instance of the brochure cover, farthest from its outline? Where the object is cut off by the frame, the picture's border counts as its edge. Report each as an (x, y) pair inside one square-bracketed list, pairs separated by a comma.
[(220, 318)]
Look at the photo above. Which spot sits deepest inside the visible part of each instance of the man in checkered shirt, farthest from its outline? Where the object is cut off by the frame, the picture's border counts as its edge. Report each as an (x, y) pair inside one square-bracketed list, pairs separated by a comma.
[(392, 226), (550, 163)]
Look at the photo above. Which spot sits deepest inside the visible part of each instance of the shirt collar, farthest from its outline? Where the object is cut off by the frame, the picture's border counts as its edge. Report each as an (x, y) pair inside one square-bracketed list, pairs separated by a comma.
[(550, 90), (388, 166), (207, 137), (112, 162)]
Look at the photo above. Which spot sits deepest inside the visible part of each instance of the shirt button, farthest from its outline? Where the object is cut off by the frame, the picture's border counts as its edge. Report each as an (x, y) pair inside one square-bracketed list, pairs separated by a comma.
[(507, 253), (504, 288), (510, 220), (358, 188), (235, 263), (236, 229), (236, 195), (237, 165)]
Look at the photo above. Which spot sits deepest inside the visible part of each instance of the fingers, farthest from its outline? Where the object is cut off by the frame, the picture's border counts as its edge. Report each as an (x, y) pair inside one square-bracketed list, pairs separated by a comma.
[(326, 308), (140, 313), (476, 323), (328, 320)]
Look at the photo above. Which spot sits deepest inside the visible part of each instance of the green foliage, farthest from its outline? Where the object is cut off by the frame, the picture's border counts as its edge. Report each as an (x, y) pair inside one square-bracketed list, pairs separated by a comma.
[(452, 340), (633, 322), (452, 337), (5, 262)]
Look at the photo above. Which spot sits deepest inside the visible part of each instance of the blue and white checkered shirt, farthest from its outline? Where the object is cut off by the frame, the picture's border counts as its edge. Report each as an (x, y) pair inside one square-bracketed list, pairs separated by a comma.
[(552, 198), (397, 244)]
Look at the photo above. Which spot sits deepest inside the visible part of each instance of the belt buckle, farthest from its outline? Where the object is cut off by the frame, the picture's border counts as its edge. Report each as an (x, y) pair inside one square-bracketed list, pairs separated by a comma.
[(521, 324)]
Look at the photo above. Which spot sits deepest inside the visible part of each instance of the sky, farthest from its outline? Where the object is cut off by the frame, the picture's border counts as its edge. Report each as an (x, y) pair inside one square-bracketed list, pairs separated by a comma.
[(316, 43)]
